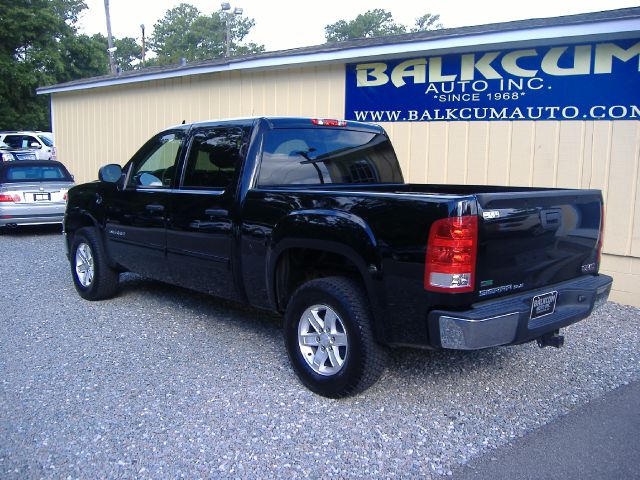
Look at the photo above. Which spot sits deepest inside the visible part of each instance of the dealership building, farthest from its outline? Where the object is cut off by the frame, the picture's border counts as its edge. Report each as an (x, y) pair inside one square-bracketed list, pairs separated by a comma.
[(551, 102)]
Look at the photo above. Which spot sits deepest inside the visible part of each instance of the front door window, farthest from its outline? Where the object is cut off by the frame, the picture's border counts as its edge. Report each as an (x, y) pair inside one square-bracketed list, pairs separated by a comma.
[(156, 162)]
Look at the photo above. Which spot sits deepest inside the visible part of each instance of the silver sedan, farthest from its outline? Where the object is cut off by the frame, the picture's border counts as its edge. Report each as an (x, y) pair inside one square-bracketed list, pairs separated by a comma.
[(33, 192)]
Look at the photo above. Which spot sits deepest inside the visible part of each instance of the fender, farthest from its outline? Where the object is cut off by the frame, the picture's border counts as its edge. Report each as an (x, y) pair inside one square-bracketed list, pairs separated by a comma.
[(81, 217), (336, 232)]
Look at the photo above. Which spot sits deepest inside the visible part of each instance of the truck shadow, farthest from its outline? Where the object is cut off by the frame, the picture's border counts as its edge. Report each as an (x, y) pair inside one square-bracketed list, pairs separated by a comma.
[(406, 365), (200, 303)]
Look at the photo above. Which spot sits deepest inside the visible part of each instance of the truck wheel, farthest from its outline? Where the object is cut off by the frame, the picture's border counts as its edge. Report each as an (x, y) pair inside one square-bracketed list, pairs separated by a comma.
[(92, 276), (329, 338)]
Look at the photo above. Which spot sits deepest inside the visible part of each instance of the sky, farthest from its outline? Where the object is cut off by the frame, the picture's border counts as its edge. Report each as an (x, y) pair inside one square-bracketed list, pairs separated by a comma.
[(283, 24)]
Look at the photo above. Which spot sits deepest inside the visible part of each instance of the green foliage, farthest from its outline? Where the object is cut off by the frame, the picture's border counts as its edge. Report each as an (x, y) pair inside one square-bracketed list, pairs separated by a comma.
[(83, 56), (40, 45), (35, 39), (376, 23), (373, 23), (426, 22), (186, 33), (128, 54)]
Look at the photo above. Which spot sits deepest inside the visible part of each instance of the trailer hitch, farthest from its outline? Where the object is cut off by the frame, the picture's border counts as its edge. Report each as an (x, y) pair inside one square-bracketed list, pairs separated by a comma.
[(551, 339)]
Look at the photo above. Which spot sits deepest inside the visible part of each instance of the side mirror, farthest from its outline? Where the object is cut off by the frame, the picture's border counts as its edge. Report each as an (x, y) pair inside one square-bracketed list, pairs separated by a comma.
[(36, 145), (110, 173)]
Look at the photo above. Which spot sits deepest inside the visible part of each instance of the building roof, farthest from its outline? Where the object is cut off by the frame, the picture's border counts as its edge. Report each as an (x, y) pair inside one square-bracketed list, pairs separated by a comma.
[(620, 23)]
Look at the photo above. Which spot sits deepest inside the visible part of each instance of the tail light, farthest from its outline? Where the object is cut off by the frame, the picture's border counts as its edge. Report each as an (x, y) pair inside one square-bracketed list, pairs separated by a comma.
[(450, 264), (6, 197), (7, 157), (328, 122), (54, 153)]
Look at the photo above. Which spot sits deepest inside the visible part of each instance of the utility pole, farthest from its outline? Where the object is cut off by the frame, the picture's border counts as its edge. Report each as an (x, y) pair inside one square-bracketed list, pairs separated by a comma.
[(143, 49), (111, 48)]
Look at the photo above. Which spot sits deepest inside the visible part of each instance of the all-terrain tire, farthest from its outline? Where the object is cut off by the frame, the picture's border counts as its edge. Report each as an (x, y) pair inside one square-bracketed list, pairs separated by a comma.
[(92, 275), (354, 360)]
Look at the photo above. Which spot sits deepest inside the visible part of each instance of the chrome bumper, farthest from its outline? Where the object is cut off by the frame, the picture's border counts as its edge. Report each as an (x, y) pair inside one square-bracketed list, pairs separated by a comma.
[(506, 321), (469, 334)]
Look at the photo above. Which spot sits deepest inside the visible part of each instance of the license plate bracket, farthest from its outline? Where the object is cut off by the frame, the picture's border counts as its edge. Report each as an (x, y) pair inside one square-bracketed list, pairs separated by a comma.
[(41, 197), (543, 304)]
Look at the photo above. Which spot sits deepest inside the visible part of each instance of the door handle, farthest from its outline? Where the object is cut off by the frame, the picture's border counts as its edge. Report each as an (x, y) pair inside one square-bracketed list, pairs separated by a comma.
[(154, 207), (216, 212)]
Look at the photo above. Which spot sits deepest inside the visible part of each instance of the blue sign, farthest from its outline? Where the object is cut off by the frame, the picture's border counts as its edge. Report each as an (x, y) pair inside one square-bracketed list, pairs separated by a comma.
[(591, 81)]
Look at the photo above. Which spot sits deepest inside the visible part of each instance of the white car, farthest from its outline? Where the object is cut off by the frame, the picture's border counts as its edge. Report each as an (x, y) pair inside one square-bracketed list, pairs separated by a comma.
[(41, 142)]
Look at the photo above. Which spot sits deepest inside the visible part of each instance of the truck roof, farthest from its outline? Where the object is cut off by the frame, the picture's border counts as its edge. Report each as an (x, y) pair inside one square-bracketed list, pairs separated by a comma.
[(289, 122)]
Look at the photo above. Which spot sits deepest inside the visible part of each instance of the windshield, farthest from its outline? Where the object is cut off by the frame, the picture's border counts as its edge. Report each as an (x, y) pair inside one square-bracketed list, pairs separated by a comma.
[(316, 156), (35, 173), (46, 140)]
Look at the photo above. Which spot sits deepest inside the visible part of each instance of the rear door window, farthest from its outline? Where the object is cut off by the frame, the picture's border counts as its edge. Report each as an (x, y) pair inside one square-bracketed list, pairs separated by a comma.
[(214, 157), (317, 156)]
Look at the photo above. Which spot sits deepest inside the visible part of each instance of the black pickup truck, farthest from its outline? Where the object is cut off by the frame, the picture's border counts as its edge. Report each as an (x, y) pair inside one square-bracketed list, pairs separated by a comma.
[(312, 218)]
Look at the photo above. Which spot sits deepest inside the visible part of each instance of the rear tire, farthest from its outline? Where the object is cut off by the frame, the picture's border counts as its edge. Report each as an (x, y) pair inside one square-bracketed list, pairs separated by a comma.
[(329, 338), (92, 276)]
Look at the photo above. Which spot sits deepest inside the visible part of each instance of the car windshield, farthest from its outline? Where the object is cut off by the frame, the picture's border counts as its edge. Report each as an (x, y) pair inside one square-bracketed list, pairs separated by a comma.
[(46, 140), (36, 173)]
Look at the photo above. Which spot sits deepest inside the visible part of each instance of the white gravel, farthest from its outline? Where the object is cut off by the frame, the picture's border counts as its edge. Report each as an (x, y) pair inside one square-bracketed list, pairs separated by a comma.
[(163, 382)]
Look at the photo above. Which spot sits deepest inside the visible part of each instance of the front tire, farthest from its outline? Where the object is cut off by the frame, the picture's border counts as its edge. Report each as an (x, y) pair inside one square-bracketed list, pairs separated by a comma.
[(92, 276), (329, 338)]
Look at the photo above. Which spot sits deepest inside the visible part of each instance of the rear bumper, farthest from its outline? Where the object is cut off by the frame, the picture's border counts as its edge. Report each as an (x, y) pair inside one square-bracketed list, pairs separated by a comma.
[(30, 214), (507, 321)]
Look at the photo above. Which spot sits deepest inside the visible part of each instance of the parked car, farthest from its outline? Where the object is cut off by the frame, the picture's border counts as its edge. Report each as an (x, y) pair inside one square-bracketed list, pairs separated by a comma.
[(33, 192), (312, 218), (9, 154), (40, 142)]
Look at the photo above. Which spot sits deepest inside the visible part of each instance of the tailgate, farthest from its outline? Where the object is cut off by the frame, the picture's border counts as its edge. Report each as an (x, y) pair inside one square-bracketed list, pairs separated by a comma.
[(531, 239)]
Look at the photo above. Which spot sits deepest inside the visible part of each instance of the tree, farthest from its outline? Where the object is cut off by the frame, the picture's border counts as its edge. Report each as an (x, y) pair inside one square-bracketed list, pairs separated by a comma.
[(40, 45), (83, 56), (34, 37), (185, 33), (373, 23), (127, 56), (128, 53), (376, 23), (427, 22)]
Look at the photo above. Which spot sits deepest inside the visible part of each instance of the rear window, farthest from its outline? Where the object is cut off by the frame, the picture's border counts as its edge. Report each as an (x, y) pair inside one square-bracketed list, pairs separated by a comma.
[(317, 156), (35, 173)]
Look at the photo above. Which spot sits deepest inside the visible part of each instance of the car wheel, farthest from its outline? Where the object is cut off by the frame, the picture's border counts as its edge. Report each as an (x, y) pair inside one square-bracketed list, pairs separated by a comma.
[(92, 276), (329, 338)]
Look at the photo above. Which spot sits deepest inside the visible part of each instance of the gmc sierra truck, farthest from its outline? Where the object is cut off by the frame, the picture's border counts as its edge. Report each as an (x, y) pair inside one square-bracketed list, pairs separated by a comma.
[(311, 218)]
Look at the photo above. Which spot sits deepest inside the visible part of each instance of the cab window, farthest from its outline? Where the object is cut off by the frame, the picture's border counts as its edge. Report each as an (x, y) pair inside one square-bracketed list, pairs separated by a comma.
[(154, 164)]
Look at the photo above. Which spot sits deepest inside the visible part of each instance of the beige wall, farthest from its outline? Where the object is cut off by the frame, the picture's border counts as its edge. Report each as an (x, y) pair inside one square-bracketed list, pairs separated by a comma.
[(94, 127), (108, 125)]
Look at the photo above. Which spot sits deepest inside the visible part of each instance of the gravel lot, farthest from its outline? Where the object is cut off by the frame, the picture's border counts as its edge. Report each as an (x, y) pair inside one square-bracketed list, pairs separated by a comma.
[(163, 382)]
